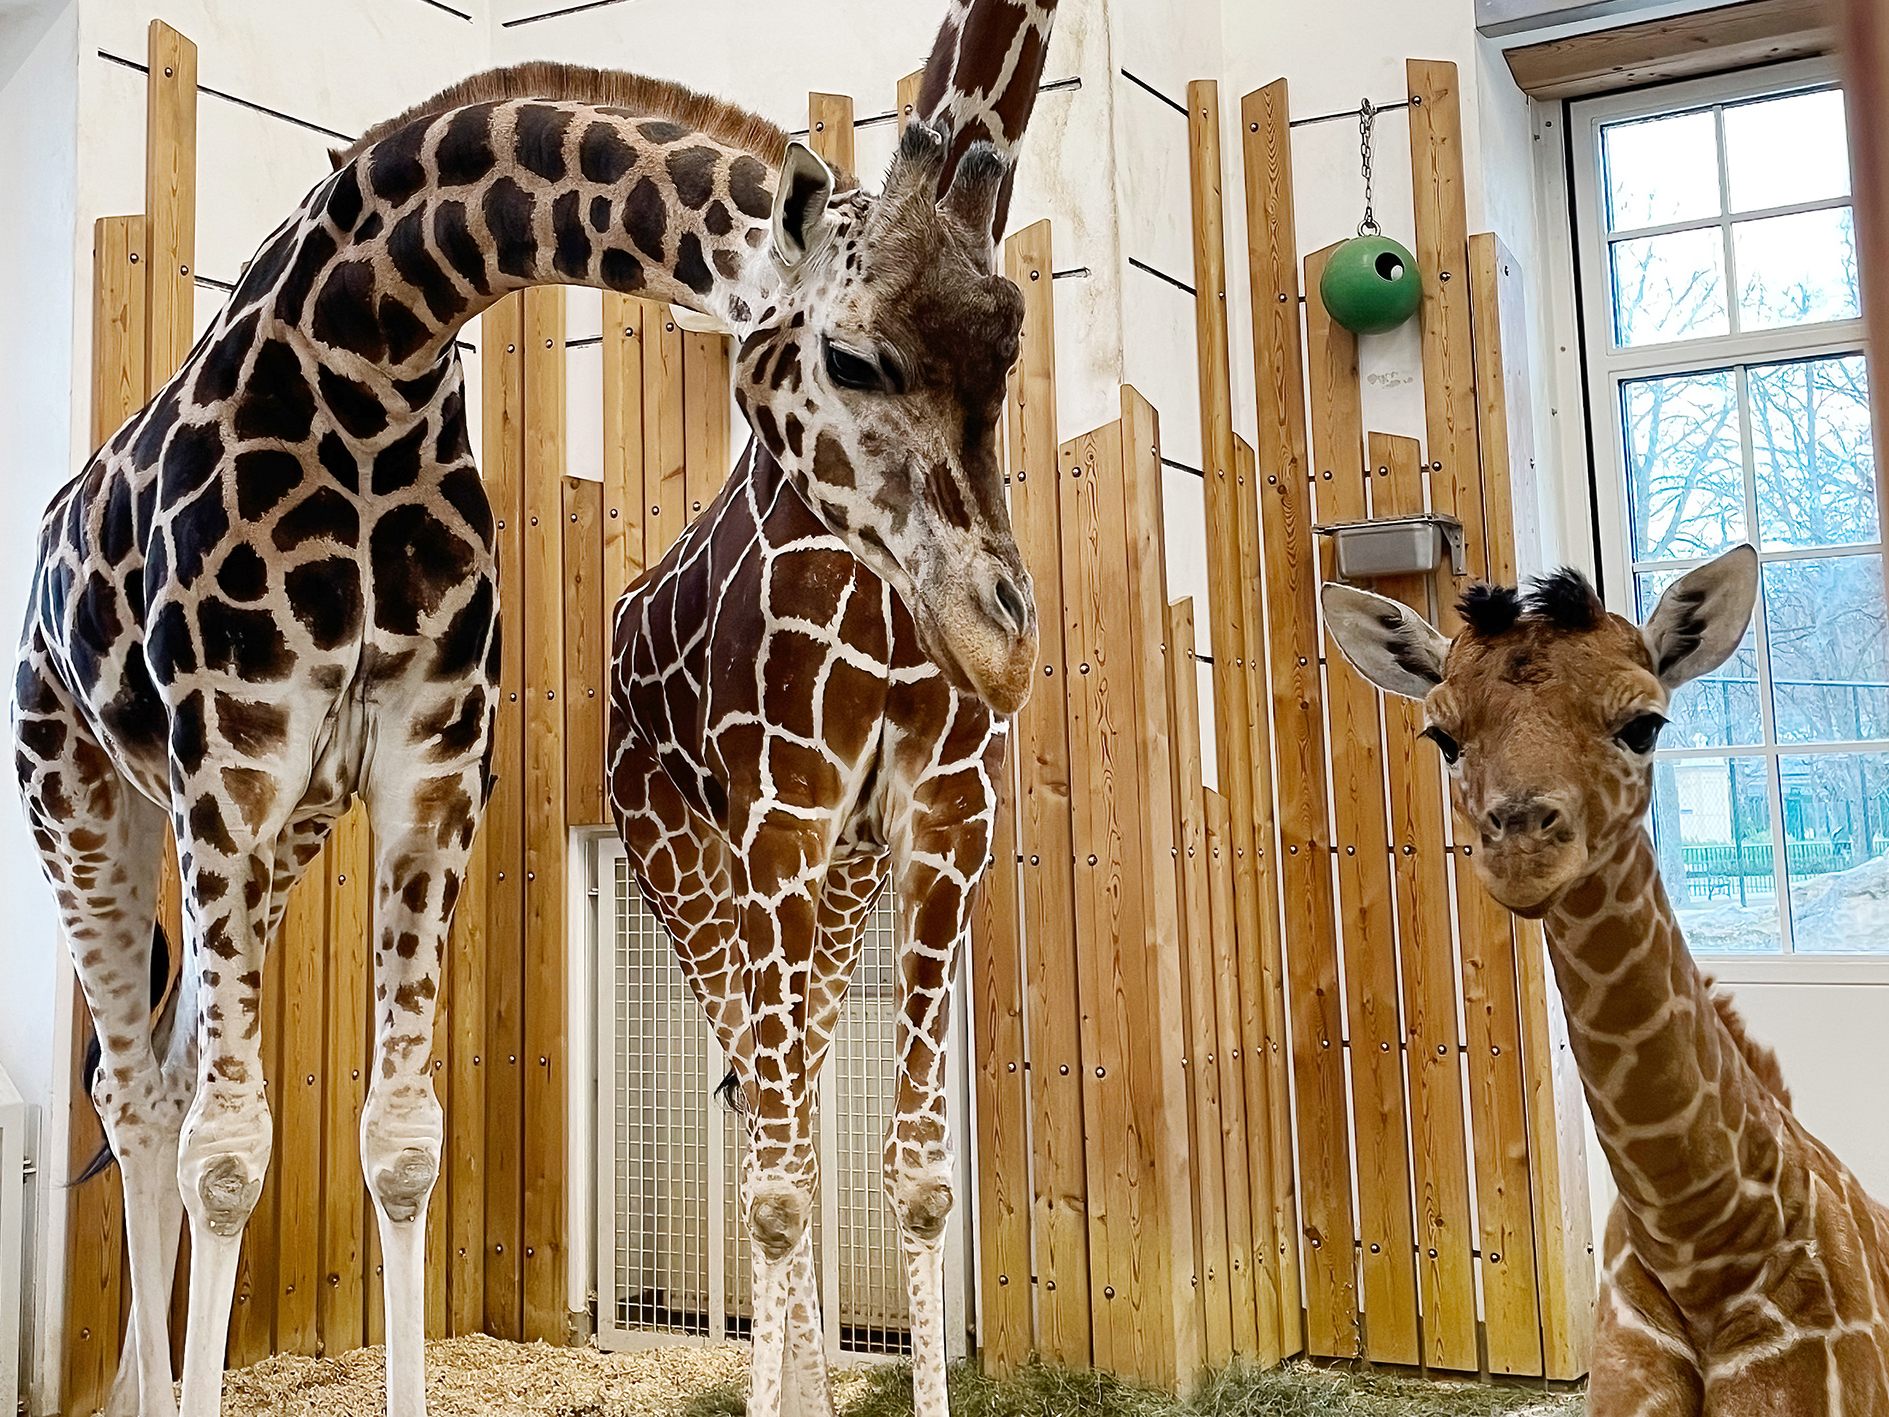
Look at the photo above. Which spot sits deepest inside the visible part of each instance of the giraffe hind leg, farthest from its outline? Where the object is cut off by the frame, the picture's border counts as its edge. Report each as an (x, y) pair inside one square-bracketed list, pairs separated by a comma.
[(95, 834)]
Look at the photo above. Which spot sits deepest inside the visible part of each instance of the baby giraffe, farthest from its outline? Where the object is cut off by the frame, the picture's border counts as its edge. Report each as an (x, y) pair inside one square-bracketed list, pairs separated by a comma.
[(1746, 1271)]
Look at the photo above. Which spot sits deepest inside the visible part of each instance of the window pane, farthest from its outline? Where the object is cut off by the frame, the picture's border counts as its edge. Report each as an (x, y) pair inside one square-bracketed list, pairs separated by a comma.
[(1836, 846), (1796, 270), (1712, 825), (1715, 710), (1810, 431), (1685, 464), (1661, 170), (1829, 670), (1782, 151), (1669, 287)]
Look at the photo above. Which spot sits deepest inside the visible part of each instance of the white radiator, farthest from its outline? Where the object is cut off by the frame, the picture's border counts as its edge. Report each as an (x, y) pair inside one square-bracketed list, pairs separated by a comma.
[(672, 1249), (13, 1311)]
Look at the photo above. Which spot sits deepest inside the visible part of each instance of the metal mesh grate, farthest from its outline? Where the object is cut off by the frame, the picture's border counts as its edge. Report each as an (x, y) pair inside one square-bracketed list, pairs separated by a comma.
[(663, 1083), (675, 1242), (873, 1311)]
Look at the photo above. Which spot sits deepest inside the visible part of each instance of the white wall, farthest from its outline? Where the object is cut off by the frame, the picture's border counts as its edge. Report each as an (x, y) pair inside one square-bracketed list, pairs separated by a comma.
[(39, 116)]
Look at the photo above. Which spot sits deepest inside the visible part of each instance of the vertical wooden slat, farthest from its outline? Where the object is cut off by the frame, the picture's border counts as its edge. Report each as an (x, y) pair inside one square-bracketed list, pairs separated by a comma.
[(300, 962), (1298, 727), (1557, 1135), (624, 506), (1275, 1246), (586, 652), (1003, 1163), (1217, 856), (909, 87), (1386, 1259), (1505, 1223), (830, 128), (502, 368), (706, 410), (1230, 608), (170, 197), (1107, 896), (665, 476), (344, 1200), (465, 1124), (97, 1288), (1439, 1136), (1040, 745), (1222, 1222), (546, 833), (1160, 1025)]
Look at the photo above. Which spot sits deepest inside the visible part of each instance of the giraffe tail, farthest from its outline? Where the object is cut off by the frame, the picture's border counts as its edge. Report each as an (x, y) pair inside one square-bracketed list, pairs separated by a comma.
[(728, 1091), (165, 1020)]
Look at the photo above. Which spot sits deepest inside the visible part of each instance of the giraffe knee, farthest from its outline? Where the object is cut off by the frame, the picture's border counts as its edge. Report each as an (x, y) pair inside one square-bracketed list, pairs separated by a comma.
[(921, 1201), (226, 1191), (404, 1182), (778, 1215)]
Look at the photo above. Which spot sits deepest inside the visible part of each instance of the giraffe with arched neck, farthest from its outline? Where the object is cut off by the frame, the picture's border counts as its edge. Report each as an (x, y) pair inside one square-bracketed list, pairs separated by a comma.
[(807, 691), (274, 590), (1746, 1271)]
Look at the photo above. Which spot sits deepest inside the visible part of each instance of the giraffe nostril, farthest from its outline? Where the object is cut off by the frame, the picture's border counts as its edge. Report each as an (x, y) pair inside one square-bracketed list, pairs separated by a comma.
[(1550, 819), (1013, 609)]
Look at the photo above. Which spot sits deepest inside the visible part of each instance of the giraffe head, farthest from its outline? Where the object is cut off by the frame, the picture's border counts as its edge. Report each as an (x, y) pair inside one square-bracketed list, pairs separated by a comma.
[(877, 380), (1546, 707)]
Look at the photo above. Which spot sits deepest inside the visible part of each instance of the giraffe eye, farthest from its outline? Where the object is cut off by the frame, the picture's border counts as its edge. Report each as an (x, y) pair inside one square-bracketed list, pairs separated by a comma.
[(850, 370), (1448, 746), (1641, 733)]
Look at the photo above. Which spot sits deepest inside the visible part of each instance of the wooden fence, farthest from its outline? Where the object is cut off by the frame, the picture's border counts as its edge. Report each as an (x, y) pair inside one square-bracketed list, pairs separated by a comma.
[(1224, 1103), (1263, 1069)]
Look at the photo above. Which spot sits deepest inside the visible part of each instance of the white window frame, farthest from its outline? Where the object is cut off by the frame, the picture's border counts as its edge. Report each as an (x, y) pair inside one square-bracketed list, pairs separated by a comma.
[(1607, 367)]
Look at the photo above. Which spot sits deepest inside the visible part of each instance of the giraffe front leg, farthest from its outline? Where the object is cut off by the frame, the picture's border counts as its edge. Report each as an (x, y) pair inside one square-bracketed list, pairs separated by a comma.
[(98, 838), (776, 883), (423, 830), (936, 878)]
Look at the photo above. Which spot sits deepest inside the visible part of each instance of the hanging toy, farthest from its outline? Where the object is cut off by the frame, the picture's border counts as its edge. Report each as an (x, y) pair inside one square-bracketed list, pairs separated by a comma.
[(1371, 283)]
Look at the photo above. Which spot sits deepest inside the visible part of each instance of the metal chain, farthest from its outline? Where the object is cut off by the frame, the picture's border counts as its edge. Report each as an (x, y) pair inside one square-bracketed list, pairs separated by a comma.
[(1367, 118)]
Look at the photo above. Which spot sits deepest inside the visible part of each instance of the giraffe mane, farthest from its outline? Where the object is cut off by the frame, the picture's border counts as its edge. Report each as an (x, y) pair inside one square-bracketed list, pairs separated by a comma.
[(1761, 1059), (607, 88)]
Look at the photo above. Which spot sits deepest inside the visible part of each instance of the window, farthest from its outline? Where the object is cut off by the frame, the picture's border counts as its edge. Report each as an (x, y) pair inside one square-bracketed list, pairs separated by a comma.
[(1730, 402)]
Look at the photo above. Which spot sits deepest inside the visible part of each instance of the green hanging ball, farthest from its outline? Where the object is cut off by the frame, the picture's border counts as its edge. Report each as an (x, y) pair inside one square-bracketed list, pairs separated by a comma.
[(1371, 285)]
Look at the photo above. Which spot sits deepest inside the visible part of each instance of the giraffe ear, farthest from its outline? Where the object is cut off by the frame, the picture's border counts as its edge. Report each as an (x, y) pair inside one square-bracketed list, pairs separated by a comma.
[(1389, 644), (800, 198), (1702, 617)]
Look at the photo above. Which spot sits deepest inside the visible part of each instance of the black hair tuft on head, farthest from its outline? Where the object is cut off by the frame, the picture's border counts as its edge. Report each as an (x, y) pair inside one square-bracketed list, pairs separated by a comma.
[(1565, 600), (1490, 609)]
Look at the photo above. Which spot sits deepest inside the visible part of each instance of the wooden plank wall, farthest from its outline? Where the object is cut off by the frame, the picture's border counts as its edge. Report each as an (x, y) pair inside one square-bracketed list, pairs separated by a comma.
[(310, 1272), (1440, 1170)]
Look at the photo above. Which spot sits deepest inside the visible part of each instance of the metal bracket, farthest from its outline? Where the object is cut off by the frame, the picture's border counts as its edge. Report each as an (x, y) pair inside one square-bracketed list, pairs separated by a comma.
[(1397, 546)]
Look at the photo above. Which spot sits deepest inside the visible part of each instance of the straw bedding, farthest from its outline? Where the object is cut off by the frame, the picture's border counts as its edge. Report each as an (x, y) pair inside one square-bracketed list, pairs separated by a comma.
[(493, 1378)]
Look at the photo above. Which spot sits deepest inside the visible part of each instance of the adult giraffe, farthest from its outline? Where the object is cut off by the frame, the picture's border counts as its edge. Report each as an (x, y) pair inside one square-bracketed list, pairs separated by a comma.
[(1746, 1271), (273, 589), (806, 690)]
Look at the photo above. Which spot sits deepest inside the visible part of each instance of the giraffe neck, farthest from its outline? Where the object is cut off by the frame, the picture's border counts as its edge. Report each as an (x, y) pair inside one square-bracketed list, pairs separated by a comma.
[(1696, 1140), (430, 225)]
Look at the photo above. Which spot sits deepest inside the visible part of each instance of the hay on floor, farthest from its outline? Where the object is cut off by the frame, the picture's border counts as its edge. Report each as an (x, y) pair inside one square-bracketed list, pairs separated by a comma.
[(488, 1377)]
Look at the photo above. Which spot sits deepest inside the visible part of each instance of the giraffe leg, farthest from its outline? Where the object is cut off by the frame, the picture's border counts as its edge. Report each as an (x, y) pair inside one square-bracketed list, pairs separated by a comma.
[(776, 883), (423, 828), (95, 834), (845, 897), (936, 878)]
